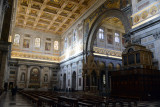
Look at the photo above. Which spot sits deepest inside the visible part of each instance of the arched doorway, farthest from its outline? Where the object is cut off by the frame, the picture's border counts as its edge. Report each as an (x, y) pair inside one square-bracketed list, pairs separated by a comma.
[(64, 81), (74, 81), (110, 13)]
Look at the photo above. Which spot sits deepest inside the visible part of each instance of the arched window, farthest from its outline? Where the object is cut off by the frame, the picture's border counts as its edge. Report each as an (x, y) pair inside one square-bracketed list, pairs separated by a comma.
[(104, 79), (117, 37), (74, 35), (37, 42), (16, 39), (56, 45), (65, 43), (101, 33)]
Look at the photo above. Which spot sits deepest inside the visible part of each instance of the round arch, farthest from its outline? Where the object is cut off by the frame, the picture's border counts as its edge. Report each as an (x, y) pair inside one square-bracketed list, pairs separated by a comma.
[(98, 22), (118, 66), (110, 66)]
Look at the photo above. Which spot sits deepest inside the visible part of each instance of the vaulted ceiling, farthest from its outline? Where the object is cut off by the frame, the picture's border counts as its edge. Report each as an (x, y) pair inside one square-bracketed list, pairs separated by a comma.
[(54, 16)]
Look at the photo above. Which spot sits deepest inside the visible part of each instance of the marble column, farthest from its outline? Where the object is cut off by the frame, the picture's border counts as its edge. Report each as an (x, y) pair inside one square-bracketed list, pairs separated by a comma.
[(97, 84), (1, 15), (18, 75), (41, 76), (3, 68), (50, 78), (83, 77), (27, 76), (107, 82), (7, 8), (90, 83), (4, 49)]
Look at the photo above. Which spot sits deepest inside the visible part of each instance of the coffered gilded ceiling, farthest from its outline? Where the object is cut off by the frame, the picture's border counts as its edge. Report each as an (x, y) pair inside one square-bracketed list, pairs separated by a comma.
[(54, 16)]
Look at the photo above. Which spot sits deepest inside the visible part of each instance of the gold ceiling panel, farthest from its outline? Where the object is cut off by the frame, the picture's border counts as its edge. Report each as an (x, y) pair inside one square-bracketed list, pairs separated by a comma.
[(24, 3), (39, 1), (33, 13), (64, 13), (47, 16), (59, 19), (64, 26), (29, 23), (21, 16), (22, 10), (68, 21), (36, 6), (69, 6), (44, 21), (86, 2), (73, 16), (55, 3), (79, 9), (54, 16), (31, 19), (50, 10), (43, 26), (52, 28), (20, 21), (56, 24)]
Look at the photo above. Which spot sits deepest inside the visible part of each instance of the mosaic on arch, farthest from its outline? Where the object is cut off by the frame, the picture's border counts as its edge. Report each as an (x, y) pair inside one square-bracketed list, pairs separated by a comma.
[(118, 4)]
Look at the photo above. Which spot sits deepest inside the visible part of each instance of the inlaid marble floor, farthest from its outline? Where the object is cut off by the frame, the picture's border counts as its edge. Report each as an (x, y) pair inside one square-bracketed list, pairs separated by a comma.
[(7, 100)]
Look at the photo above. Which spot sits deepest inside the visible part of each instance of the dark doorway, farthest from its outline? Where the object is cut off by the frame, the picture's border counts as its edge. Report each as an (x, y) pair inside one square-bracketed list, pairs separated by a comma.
[(74, 81), (64, 81), (94, 78)]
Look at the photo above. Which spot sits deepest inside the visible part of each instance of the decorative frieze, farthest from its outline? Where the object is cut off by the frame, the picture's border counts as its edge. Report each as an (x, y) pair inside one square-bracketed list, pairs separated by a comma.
[(107, 52), (30, 56), (146, 13)]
